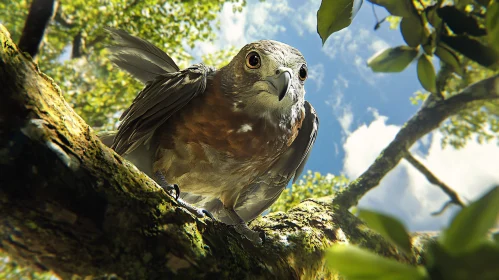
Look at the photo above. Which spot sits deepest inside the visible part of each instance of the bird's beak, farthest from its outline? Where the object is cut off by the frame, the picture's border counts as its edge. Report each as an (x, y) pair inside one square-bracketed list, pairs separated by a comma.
[(281, 81)]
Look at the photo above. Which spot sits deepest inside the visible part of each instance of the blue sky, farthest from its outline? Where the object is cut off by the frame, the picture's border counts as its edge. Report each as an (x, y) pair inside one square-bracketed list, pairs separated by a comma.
[(360, 112)]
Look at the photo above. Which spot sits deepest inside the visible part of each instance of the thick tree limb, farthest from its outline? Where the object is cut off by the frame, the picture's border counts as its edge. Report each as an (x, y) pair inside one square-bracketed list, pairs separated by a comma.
[(72, 205), (454, 197), (429, 117), (40, 13)]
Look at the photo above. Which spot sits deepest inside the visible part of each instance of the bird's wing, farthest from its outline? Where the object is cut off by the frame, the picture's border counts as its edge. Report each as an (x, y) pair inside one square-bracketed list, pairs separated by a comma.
[(157, 102), (258, 196), (138, 57)]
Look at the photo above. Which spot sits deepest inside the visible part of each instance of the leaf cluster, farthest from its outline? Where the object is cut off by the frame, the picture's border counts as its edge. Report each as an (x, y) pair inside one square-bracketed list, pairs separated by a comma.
[(312, 184), (465, 250), (461, 37)]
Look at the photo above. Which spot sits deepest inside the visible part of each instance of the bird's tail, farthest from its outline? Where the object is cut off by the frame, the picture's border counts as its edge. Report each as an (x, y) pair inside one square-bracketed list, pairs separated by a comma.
[(138, 57), (141, 157)]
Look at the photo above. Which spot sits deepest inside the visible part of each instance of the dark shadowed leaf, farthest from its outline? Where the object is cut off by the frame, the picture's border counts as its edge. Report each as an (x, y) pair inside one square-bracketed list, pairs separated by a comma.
[(459, 22), (469, 228), (334, 15), (412, 31), (449, 57), (428, 49), (392, 59), (389, 227), (472, 49), (492, 24), (483, 2), (401, 8), (479, 263), (426, 74), (432, 16), (356, 263)]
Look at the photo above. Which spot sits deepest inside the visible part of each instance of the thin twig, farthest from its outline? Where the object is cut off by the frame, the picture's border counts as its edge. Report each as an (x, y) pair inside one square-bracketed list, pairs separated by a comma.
[(454, 197), (444, 207), (378, 22)]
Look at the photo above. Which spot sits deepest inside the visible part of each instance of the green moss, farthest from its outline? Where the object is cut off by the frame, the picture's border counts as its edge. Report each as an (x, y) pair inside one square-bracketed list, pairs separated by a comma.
[(31, 224), (147, 257)]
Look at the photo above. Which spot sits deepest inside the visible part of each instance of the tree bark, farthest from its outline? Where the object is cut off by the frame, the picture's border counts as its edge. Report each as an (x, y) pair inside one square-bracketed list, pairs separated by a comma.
[(70, 204)]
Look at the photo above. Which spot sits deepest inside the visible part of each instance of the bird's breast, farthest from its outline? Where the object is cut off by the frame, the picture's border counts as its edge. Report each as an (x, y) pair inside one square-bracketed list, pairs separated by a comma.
[(208, 146)]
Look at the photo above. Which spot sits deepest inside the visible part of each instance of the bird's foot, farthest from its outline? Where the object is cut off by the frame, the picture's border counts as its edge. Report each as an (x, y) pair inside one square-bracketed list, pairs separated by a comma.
[(198, 212), (253, 236), (174, 191)]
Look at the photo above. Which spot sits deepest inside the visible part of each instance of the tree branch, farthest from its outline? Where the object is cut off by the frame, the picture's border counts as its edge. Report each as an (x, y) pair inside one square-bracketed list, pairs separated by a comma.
[(434, 180), (429, 117), (59, 18), (77, 50), (72, 205), (40, 13)]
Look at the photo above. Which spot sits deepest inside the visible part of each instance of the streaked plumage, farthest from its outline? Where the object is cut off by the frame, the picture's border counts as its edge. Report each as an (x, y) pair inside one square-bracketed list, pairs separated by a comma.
[(231, 138)]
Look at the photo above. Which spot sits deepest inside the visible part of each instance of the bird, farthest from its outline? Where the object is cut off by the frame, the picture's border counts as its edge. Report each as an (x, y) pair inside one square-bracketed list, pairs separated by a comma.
[(229, 139)]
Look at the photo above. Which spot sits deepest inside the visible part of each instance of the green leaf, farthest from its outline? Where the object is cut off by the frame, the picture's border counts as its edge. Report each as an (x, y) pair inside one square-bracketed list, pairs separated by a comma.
[(470, 226), (426, 74), (389, 227), (392, 59), (450, 58), (492, 24), (334, 15), (356, 263), (472, 49), (460, 22), (480, 263), (495, 237), (401, 8), (432, 16), (412, 31)]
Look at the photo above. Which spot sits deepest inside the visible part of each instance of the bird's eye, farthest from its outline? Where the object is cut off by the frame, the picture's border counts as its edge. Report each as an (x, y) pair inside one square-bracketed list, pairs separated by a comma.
[(253, 60), (303, 73)]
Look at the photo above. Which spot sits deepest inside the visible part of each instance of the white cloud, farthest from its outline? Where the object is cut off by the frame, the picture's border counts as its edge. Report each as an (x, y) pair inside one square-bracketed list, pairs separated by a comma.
[(364, 144), (404, 192), (346, 119), (316, 74), (305, 17), (258, 20), (343, 112), (378, 45), (355, 43)]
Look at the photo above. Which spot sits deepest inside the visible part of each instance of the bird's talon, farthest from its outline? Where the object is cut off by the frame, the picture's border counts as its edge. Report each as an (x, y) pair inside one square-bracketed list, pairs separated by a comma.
[(253, 236), (207, 213), (172, 190), (177, 191)]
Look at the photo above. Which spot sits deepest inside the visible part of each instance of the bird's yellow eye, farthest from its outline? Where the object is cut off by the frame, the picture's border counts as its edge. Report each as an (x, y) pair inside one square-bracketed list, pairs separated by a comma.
[(303, 72), (253, 60)]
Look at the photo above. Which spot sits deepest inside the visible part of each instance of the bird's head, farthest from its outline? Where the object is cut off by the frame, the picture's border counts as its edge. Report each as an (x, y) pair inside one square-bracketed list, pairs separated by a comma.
[(266, 77)]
